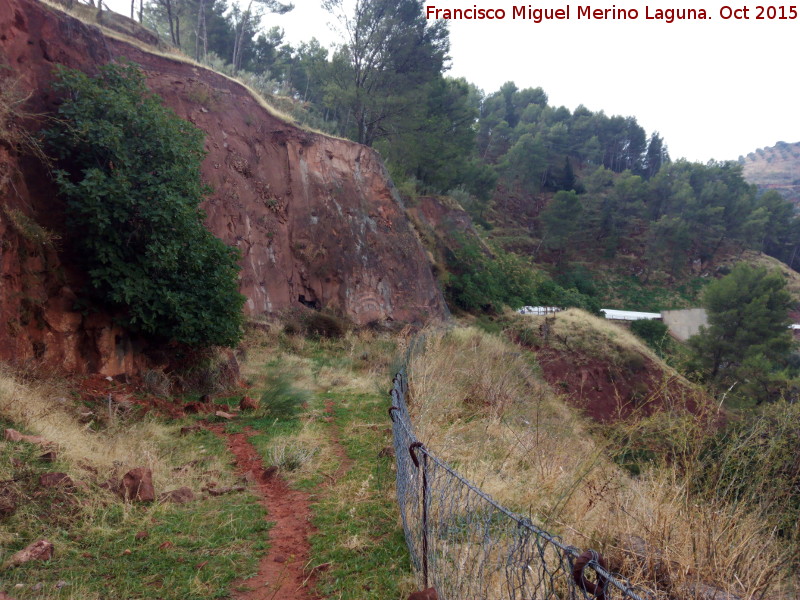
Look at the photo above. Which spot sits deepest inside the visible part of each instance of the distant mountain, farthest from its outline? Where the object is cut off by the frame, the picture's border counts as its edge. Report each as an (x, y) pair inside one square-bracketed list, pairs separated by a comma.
[(775, 168)]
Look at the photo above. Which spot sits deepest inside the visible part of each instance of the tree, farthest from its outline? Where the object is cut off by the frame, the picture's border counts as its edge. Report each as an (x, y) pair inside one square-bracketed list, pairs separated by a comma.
[(560, 220), (437, 148), (390, 53), (656, 156), (526, 162), (748, 325), (175, 9), (247, 22), (129, 169)]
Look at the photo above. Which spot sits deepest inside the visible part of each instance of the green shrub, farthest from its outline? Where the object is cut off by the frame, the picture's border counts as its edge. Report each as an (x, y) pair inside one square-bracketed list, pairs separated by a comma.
[(280, 398), (481, 281), (314, 323), (129, 169), (653, 332), (755, 462)]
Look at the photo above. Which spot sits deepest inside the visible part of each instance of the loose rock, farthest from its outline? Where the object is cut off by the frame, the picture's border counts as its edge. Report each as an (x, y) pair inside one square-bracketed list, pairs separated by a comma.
[(8, 502), (180, 496), (224, 490), (41, 550), (12, 435), (429, 594), (248, 403), (51, 480), (137, 485)]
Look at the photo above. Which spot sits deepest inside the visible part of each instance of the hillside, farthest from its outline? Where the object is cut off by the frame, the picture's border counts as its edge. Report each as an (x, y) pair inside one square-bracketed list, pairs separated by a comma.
[(633, 489), (775, 168), (315, 218), (137, 464)]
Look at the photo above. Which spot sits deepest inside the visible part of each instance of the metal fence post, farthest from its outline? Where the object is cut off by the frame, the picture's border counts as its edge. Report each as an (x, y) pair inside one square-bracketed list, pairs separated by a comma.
[(411, 449)]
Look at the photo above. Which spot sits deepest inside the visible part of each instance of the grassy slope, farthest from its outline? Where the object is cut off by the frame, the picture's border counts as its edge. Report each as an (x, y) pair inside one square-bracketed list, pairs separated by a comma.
[(197, 550), (331, 448), (524, 446), (94, 533), (478, 400)]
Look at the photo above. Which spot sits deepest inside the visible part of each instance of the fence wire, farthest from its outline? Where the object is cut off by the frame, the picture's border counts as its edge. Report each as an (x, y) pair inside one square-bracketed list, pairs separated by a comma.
[(469, 547)]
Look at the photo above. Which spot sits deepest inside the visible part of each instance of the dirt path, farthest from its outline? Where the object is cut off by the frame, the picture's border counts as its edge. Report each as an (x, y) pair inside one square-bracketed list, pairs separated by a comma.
[(345, 462), (283, 574)]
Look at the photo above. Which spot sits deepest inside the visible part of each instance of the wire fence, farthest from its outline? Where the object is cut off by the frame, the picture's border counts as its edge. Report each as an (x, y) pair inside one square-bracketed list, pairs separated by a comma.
[(469, 547)]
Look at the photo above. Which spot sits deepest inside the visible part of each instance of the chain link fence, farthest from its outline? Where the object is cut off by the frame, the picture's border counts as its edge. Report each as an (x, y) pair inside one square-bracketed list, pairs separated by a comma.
[(469, 547)]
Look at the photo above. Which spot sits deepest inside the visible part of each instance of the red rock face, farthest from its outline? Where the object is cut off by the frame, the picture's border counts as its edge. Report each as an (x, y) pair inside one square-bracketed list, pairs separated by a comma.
[(316, 219)]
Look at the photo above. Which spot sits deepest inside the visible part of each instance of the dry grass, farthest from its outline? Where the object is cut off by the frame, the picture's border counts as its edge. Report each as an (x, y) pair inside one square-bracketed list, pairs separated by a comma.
[(758, 259), (478, 402), (577, 330), (88, 15), (13, 131), (302, 454), (43, 409)]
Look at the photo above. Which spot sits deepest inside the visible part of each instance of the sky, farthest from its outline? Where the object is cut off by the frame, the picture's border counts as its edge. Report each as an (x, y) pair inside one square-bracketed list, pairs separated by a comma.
[(713, 88)]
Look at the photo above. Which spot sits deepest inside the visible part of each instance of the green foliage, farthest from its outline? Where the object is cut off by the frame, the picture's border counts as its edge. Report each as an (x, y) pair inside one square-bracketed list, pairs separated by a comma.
[(129, 169), (560, 220), (481, 280), (755, 462), (380, 75), (747, 339), (653, 332), (281, 398)]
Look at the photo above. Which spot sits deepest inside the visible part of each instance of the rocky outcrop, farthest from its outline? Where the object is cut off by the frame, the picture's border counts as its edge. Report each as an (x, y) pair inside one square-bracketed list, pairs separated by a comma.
[(316, 219)]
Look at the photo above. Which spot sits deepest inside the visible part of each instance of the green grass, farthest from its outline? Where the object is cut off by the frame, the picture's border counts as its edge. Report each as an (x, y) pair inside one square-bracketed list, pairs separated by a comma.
[(629, 293), (195, 550), (356, 519), (198, 550), (358, 535)]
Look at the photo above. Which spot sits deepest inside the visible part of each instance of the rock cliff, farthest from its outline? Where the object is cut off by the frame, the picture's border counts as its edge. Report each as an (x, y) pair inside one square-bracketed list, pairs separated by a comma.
[(317, 219)]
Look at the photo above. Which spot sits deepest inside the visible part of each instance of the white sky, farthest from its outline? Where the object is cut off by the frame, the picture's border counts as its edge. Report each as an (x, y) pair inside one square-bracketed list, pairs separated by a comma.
[(712, 88)]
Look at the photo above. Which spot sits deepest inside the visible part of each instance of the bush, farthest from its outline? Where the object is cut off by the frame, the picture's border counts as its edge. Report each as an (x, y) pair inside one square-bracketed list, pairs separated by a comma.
[(280, 398), (129, 169), (653, 332), (317, 324), (484, 282), (755, 462)]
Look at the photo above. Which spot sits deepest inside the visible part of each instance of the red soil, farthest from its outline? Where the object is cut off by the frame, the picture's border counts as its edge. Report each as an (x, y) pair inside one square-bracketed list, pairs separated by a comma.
[(283, 574), (608, 393)]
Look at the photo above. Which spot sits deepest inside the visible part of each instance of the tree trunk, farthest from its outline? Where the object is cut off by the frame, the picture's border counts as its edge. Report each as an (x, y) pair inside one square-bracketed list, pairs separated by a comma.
[(239, 38), (200, 33), (168, 4)]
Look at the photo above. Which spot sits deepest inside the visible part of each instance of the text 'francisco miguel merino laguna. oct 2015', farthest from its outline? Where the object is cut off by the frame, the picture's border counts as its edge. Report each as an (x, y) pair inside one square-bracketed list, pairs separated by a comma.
[(588, 12)]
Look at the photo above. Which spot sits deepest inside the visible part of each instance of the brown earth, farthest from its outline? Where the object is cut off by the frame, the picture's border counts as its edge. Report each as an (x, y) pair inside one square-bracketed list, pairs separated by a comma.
[(775, 168), (345, 462), (317, 220), (607, 392), (284, 572)]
